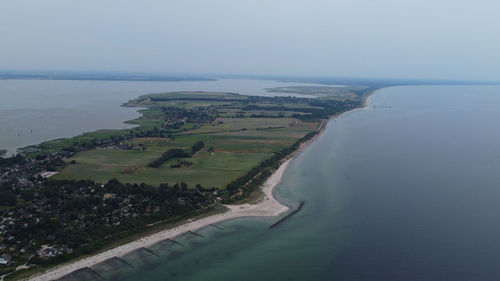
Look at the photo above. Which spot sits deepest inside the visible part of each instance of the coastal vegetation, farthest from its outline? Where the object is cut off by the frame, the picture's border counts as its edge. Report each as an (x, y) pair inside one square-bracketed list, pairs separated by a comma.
[(190, 152), (170, 154), (3, 152)]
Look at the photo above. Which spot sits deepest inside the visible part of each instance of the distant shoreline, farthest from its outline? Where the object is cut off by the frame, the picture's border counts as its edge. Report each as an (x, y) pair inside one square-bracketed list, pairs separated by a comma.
[(99, 76)]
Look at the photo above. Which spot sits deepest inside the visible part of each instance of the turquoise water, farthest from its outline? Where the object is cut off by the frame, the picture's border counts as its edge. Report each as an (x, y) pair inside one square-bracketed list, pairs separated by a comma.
[(406, 193)]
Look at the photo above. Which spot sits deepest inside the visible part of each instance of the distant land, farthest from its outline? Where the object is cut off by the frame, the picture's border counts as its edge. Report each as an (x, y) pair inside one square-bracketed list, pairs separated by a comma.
[(379, 82), (97, 76), (144, 76)]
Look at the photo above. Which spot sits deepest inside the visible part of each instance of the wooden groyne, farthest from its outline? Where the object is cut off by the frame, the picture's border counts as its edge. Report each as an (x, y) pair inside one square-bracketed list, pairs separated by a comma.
[(94, 272), (123, 261), (149, 251), (197, 234), (289, 215), (219, 228), (175, 242)]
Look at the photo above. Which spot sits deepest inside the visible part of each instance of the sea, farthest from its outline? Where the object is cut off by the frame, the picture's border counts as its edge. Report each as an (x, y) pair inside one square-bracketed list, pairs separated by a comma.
[(405, 189)]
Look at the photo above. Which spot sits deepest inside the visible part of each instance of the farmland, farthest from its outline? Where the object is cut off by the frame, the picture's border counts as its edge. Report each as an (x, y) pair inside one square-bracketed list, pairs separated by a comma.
[(229, 152), (238, 133)]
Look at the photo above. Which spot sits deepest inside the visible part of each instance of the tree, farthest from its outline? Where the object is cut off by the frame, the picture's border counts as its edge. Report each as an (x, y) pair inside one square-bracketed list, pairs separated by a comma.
[(28, 195), (197, 146), (8, 199)]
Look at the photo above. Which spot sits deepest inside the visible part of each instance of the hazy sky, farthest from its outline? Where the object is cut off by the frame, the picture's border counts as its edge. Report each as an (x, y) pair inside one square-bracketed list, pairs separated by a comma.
[(353, 38)]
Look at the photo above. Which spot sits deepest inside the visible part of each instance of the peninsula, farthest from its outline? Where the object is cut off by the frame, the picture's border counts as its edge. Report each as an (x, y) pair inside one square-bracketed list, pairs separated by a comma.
[(194, 158)]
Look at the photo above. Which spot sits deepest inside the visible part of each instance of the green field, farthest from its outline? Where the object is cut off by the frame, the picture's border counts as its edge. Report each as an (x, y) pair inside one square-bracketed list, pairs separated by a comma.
[(232, 157), (232, 124), (339, 93), (210, 170), (239, 132)]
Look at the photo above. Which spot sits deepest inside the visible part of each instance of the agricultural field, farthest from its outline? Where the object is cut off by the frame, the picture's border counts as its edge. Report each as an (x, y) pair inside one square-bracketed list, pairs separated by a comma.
[(228, 159), (330, 92), (238, 133)]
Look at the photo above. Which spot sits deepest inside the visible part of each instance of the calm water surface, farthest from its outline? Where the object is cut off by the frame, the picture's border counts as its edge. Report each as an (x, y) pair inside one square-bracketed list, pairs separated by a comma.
[(32, 111), (407, 193)]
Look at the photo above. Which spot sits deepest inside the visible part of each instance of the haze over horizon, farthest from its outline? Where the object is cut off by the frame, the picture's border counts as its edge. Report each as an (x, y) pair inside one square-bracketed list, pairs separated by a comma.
[(382, 38)]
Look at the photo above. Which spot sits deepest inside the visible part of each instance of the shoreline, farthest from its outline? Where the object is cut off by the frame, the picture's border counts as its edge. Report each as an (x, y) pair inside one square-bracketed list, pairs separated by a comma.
[(268, 206)]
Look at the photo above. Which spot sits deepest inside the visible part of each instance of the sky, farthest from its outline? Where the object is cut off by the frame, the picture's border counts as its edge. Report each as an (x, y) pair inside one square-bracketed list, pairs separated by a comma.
[(431, 39)]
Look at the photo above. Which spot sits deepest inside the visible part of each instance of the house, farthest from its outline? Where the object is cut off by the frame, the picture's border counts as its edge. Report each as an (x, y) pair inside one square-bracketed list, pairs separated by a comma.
[(47, 174), (109, 196), (181, 202)]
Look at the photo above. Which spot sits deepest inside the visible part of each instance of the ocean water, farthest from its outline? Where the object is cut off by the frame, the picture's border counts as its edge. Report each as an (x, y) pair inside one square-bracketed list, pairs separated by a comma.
[(409, 192), (33, 111)]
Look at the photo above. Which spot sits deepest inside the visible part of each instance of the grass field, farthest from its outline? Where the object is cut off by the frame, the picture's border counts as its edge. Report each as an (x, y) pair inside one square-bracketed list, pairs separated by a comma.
[(338, 93), (232, 124), (232, 157), (234, 142), (210, 170)]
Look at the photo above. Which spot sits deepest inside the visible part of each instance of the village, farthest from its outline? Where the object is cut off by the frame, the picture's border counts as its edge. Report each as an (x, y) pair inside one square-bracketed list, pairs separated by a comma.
[(45, 221)]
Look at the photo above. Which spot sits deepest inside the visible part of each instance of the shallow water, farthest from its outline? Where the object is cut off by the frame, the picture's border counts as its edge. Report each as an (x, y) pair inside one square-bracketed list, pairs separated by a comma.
[(406, 193), (33, 111)]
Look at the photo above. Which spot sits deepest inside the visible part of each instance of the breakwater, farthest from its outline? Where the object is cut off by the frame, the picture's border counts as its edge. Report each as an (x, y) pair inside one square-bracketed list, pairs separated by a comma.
[(301, 204)]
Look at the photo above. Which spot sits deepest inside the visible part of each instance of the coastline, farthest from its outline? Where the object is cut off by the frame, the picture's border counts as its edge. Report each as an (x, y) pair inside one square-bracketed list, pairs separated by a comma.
[(269, 206)]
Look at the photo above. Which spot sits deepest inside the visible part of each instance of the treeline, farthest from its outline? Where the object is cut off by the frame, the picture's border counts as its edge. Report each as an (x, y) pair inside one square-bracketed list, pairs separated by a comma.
[(157, 99), (261, 172), (330, 107), (262, 115), (176, 153), (322, 109), (10, 161), (169, 154), (276, 99), (197, 146), (182, 163), (80, 144), (253, 107), (190, 115)]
